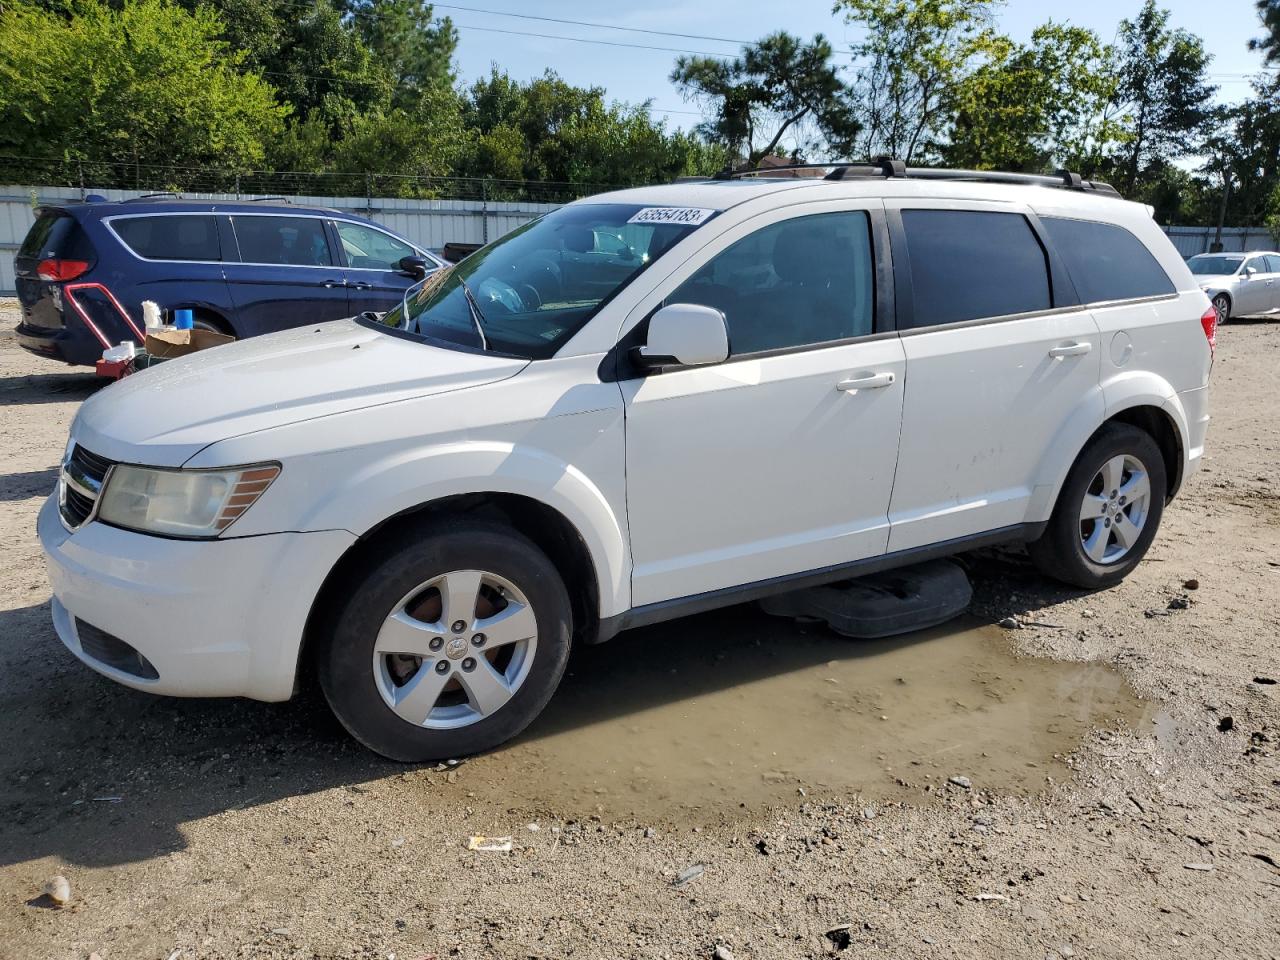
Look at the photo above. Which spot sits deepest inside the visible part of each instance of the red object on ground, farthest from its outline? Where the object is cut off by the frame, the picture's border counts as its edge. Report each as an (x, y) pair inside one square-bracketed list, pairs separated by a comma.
[(114, 369)]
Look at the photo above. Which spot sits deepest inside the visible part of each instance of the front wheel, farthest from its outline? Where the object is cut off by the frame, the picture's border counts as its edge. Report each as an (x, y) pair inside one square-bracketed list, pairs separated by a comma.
[(1108, 511), (449, 645), (1222, 307)]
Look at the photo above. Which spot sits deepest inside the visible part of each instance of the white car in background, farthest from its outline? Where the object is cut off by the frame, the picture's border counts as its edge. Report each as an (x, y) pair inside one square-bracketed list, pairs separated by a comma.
[(646, 404), (1239, 284)]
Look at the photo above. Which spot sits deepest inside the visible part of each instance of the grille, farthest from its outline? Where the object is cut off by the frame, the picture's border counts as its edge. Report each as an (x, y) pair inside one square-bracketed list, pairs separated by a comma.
[(114, 652), (81, 480)]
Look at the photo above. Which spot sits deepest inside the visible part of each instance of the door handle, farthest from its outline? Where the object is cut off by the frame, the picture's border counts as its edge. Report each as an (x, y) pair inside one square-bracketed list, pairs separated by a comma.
[(361, 285), (872, 382), (333, 283), (1071, 350)]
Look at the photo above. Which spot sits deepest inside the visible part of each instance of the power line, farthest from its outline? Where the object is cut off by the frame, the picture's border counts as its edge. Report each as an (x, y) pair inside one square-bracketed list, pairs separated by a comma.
[(589, 23), (607, 43)]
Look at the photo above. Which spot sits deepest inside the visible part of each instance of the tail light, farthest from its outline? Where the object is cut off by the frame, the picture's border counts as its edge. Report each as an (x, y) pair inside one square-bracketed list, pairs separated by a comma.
[(57, 269), (1209, 322)]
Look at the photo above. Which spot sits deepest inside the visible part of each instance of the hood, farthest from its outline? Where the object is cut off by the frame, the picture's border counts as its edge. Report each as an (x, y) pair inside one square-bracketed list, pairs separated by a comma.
[(164, 415), (1214, 279)]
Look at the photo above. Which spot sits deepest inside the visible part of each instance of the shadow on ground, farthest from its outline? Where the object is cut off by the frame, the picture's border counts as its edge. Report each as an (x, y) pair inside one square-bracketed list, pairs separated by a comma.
[(86, 741)]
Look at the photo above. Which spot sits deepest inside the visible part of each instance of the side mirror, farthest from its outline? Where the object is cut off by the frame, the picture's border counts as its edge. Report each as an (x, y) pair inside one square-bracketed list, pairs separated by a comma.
[(415, 267), (1250, 271), (684, 335)]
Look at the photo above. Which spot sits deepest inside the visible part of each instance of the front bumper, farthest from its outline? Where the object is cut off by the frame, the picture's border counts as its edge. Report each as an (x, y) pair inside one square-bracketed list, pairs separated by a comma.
[(215, 618)]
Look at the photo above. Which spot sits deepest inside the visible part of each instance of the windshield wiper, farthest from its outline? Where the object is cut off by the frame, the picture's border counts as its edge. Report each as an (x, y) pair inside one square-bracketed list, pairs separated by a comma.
[(477, 315)]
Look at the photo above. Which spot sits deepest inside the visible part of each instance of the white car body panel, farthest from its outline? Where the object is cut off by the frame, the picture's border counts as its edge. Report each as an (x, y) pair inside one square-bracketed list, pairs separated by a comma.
[(682, 484)]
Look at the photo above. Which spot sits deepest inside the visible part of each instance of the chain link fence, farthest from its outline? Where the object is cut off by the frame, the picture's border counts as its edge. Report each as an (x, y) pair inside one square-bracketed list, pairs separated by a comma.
[(196, 181)]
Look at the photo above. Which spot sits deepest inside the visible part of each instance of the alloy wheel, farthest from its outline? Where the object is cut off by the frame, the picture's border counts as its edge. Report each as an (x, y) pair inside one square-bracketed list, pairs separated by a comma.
[(455, 649), (1115, 508)]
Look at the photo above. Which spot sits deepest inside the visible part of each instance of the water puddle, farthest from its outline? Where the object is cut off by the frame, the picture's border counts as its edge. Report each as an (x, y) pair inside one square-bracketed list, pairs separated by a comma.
[(735, 709)]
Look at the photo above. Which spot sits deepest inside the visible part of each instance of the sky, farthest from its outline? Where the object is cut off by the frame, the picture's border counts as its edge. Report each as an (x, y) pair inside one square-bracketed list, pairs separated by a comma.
[(631, 74)]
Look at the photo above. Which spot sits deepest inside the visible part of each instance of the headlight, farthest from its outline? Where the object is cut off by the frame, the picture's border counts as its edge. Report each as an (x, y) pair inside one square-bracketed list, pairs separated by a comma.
[(182, 503)]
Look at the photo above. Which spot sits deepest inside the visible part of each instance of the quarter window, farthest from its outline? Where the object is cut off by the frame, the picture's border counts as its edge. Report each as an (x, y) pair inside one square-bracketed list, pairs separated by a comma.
[(970, 265), (370, 249), (1106, 262), (799, 282), (193, 237), (295, 241)]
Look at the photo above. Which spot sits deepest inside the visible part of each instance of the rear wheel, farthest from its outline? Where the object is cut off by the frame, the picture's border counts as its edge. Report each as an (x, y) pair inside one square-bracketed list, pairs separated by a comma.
[(450, 645), (204, 321), (1108, 511)]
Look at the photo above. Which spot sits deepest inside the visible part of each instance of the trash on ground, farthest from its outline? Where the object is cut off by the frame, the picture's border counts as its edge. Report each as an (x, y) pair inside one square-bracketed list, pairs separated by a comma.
[(58, 889), (490, 844), (689, 874)]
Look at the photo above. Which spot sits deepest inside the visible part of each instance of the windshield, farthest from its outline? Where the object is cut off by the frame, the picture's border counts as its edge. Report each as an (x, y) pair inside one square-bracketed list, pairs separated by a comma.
[(529, 292), (1209, 266)]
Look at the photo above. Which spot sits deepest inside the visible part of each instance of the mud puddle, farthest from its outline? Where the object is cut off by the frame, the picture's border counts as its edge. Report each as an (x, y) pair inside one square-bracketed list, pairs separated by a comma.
[(728, 712)]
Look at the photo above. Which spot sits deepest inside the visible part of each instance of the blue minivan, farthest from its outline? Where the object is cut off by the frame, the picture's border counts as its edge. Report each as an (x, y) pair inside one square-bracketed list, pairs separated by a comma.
[(243, 268)]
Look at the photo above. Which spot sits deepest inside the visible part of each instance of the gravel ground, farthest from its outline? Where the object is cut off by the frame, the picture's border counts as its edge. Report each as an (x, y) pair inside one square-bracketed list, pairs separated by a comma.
[(234, 829)]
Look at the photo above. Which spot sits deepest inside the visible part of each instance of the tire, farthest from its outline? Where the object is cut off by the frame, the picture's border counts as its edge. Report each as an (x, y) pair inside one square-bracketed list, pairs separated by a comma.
[(442, 701), (1097, 553), (205, 322), (1222, 304)]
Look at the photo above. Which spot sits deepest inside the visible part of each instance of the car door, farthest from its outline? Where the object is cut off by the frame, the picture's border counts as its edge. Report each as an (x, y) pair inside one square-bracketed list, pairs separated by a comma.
[(1273, 279), (997, 360), (1253, 294), (286, 275), (372, 260), (780, 460)]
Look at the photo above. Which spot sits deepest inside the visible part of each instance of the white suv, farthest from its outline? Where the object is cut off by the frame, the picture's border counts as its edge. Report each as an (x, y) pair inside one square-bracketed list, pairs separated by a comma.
[(645, 404)]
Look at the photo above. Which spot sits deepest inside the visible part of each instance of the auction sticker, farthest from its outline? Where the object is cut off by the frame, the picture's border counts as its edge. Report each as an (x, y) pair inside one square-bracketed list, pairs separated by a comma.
[(684, 216)]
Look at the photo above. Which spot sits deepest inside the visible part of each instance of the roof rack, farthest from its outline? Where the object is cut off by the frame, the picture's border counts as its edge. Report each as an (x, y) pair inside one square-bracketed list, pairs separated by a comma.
[(267, 200), (893, 168), (154, 196)]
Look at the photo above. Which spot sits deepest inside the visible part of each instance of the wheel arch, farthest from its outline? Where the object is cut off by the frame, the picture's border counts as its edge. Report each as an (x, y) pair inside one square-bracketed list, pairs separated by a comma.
[(549, 529), (1152, 407)]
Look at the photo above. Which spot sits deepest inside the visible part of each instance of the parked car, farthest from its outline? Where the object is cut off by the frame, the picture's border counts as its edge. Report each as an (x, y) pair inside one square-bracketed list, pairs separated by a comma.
[(243, 268), (1239, 284), (791, 382)]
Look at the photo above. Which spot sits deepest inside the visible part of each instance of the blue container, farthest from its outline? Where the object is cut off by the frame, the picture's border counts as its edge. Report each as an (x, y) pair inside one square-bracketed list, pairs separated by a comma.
[(183, 319)]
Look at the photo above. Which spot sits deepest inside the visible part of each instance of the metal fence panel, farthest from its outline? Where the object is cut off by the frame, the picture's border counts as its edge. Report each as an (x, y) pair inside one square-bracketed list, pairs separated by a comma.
[(428, 223)]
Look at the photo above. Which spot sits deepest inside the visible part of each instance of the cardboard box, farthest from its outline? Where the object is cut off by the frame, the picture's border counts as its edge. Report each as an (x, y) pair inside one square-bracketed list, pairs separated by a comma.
[(167, 344)]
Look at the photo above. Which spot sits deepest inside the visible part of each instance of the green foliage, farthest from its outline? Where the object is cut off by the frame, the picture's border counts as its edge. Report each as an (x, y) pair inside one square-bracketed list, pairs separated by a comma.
[(1163, 93), (402, 36), (547, 129), (1269, 42), (916, 55), (148, 83), (1036, 107), (778, 86)]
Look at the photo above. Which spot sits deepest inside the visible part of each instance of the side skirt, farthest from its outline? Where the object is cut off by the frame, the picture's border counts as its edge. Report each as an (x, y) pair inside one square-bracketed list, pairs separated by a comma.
[(728, 596)]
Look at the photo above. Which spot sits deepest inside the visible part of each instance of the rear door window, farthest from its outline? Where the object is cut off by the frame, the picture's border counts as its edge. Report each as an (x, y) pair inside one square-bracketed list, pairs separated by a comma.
[(973, 265), (170, 237), (1106, 262), (291, 241), (1273, 263)]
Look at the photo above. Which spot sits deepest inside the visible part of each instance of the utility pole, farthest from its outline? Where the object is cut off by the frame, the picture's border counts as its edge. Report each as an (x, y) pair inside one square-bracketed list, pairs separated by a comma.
[(1216, 246)]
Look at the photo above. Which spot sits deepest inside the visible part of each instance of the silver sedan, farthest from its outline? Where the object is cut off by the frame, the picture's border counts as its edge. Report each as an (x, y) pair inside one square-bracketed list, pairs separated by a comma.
[(1239, 284)]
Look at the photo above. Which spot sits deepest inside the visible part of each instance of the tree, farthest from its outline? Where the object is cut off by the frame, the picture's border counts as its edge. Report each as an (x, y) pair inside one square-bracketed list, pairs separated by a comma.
[(548, 129), (405, 38), (1163, 93), (1269, 43), (1036, 107), (146, 84), (777, 87), (915, 54), (1245, 150)]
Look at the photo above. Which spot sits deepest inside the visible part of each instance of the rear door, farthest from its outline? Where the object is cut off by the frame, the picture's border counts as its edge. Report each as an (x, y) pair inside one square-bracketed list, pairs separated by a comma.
[(1273, 279), (287, 273), (372, 266), (999, 354)]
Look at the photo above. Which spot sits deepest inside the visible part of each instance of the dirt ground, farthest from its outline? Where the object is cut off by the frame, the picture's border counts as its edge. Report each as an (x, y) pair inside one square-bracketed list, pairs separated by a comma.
[(1116, 792)]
